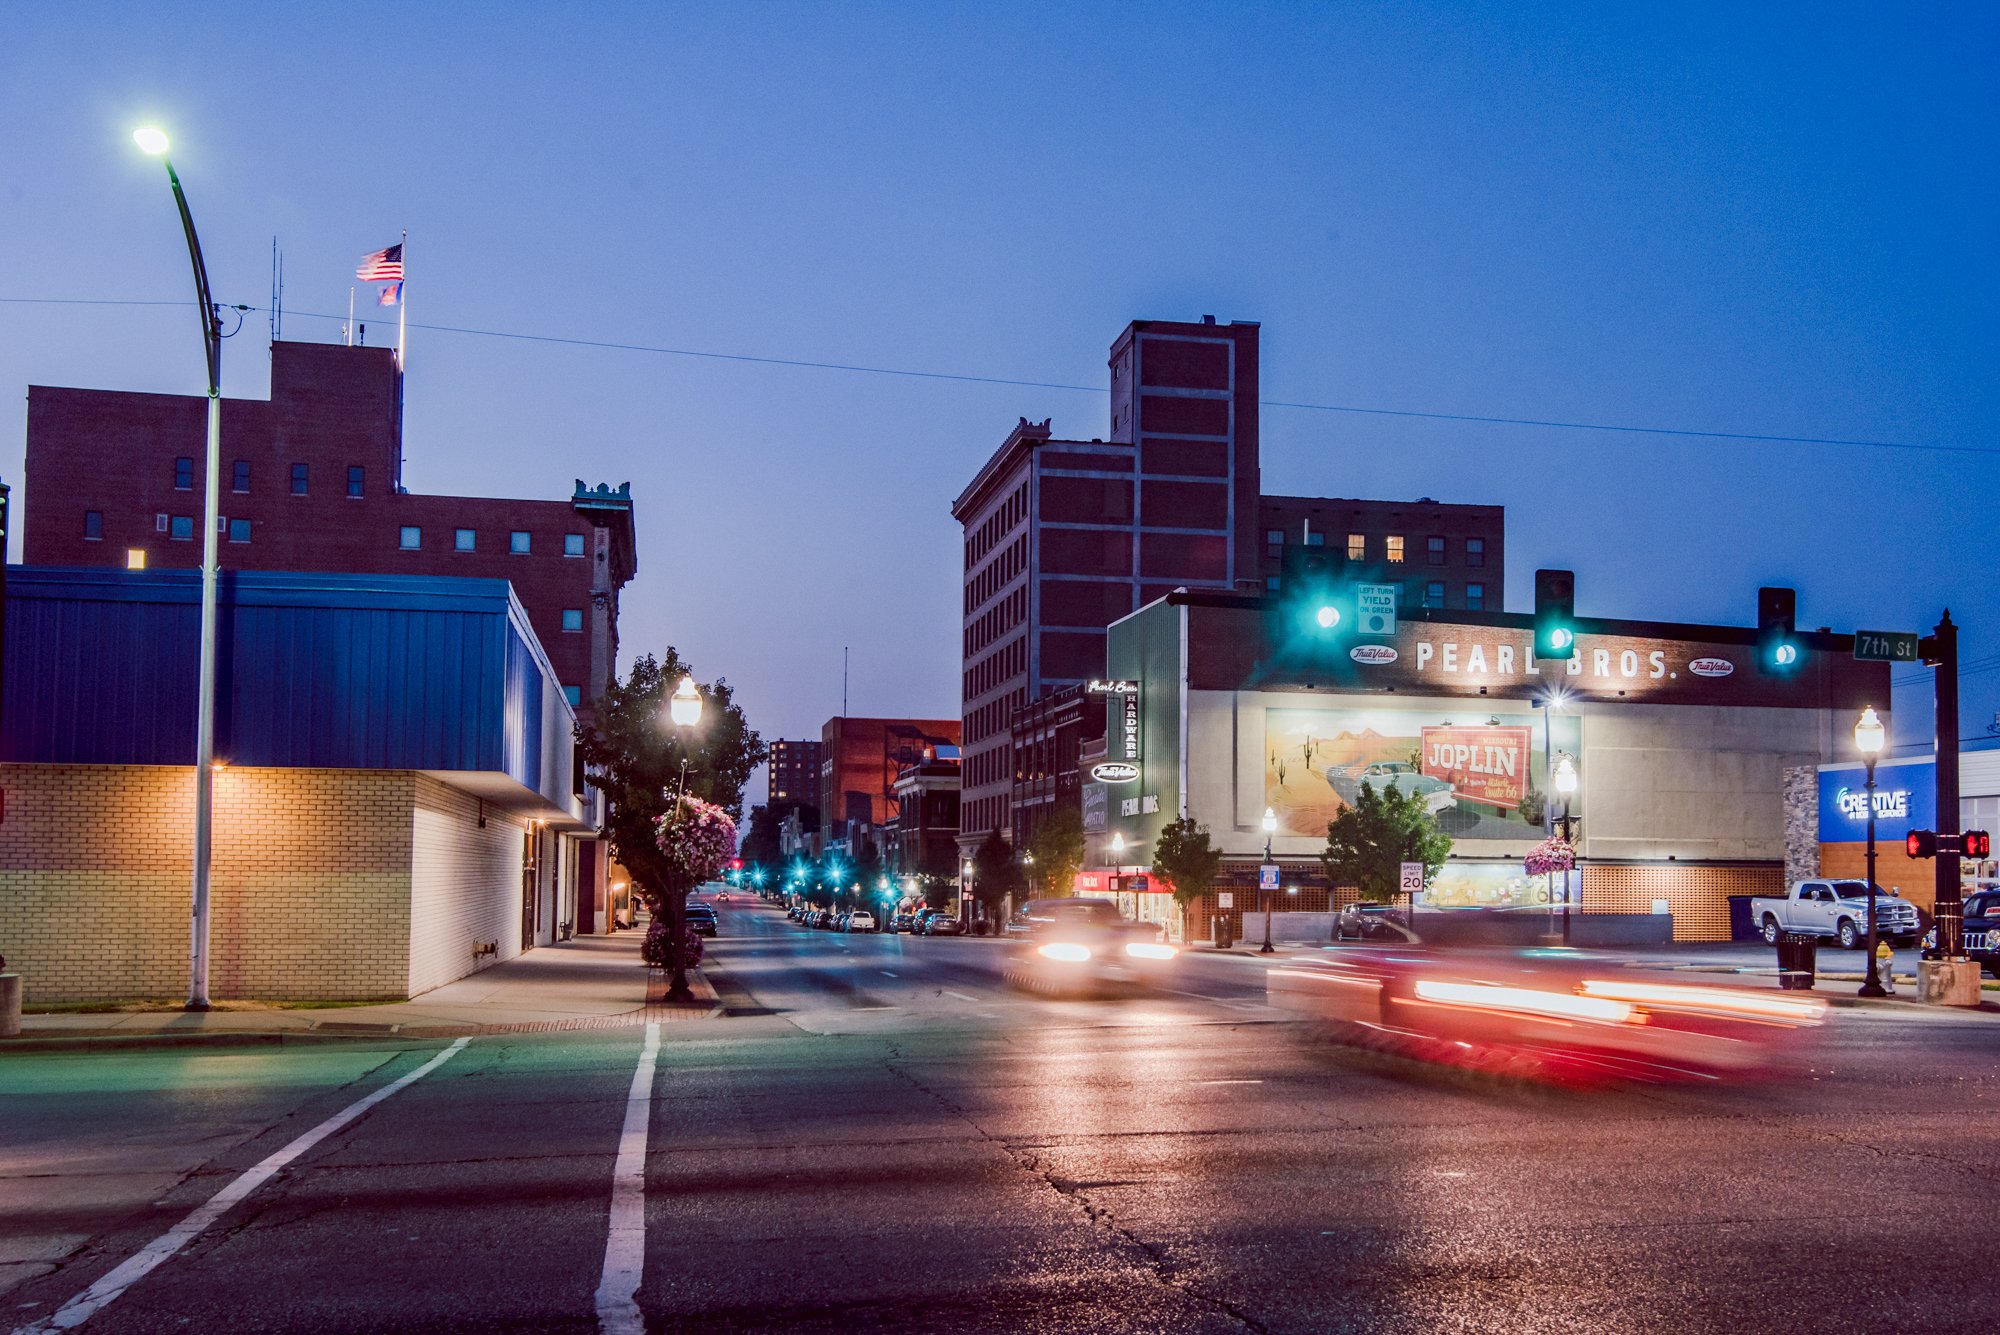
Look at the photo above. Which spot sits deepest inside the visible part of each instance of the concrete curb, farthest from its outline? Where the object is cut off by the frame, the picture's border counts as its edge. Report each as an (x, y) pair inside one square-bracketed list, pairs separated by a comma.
[(244, 1038)]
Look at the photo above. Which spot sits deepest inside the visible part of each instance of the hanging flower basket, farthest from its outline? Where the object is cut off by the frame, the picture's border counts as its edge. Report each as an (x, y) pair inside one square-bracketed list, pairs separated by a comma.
[(1550, 856), (697, 839)]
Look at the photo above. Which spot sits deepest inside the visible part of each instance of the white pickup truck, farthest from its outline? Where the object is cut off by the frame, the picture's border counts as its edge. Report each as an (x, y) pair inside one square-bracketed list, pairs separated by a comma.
[(1838, 909)]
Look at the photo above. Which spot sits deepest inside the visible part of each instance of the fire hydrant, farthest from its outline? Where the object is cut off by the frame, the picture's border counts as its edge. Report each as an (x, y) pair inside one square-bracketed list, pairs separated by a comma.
[(1885, 966)]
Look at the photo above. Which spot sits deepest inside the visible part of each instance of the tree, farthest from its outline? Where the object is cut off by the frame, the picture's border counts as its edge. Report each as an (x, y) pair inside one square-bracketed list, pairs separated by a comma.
[(760, 844), (637, 757), (1184, 856), (1058, 848), (995, 874), (1367, 844)]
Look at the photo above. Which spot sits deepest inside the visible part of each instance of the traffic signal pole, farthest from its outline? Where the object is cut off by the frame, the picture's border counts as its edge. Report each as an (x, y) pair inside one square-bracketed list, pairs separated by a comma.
[(1949, 978)]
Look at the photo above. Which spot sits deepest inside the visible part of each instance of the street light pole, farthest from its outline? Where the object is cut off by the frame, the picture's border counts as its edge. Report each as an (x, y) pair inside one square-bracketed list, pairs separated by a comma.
[(1869, 735), (684, 708), (154, 141), (1270, 828), (1565, 784)]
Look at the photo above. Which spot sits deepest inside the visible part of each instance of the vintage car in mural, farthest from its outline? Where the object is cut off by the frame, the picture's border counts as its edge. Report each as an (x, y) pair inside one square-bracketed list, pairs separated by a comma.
[(1383, 775)]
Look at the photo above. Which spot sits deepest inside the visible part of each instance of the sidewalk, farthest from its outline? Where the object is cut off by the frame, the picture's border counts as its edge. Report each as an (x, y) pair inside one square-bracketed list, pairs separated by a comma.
[(588, 983)]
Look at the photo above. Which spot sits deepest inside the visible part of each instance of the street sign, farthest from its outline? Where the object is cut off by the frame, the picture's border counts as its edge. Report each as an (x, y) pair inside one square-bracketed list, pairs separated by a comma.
[(1267, 876), (1411, 881), (1375, 608), (1225, 900), (1885, 646)]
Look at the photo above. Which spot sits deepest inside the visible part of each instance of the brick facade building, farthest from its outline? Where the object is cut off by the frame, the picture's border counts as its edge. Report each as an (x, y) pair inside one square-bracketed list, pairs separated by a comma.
[(311, 480), (1063, 537), (859, 761)]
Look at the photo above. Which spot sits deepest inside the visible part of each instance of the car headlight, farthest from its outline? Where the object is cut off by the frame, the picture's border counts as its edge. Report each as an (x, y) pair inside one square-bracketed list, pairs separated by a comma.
[(1066, 951), (1150, 950)]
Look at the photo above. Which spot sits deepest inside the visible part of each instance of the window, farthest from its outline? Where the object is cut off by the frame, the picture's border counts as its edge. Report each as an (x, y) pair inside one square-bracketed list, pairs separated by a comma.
[(572, 544), (1271, 582), (412, 538), (1395, 545), (1434, 593), (135, 558), (298, 479), (239, 476), (1434, 550), (1475, 551), (517, 542), (239, 530), (1357, 546), (1274, 537), (183, 474), (93, 526), (1475, 597), (574, 694), (1315, 539), (183, 528), (572, 618), (356, 474), (465, 540)]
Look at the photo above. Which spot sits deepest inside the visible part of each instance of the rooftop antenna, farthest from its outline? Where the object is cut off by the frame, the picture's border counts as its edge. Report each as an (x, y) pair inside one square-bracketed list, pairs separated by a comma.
[(843, 681), (277, 290)]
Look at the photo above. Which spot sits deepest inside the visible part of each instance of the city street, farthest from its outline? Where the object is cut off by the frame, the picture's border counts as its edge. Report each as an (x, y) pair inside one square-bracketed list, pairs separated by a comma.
[(879, 1134)]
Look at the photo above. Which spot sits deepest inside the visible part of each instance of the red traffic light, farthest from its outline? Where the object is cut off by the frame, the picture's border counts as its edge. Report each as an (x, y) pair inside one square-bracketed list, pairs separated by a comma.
[(1978, 844), (1921, 843), (736, 864)]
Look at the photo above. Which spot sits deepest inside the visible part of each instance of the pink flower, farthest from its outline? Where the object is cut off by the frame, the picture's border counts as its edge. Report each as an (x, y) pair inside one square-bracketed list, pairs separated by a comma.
[(697, 839)]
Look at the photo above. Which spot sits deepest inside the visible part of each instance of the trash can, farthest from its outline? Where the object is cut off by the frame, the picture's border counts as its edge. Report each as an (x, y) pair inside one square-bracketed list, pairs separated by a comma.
[(1798, 957), (1225, 936)]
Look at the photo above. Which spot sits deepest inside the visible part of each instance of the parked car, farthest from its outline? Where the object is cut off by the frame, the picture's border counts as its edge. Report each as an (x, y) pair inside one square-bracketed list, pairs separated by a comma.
[(1369, 920), (822, 919), (900, 922), (943, 924), (861, 920), (1982, 928), (1400, 775), (701, 918), (1839, 909)]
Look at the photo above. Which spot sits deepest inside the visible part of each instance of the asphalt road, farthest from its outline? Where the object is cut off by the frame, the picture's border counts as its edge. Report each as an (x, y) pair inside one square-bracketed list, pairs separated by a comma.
[(882, 1136)]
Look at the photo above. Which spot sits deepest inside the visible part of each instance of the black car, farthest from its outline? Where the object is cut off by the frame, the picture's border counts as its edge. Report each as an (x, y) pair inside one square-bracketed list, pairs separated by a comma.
[(1982, 929), (702, 919), (1370, 921)]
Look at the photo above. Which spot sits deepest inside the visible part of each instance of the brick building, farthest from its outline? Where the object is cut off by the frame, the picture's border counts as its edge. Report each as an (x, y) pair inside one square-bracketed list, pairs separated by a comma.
[(793, 776), (921, 838), (312, 481), (1064, 536), (1050, 738), (424, 817), (859, 761)]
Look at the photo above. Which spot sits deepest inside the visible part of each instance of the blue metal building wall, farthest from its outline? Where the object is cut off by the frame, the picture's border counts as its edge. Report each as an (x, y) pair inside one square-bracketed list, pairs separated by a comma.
[(336, 671)]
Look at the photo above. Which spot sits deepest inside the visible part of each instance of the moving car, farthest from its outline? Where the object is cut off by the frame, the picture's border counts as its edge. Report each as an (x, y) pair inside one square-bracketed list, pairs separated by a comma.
[(1079, 944), (1400, 775), (1544, 1014), (1370, 920), (701, 918), (1839, 909)]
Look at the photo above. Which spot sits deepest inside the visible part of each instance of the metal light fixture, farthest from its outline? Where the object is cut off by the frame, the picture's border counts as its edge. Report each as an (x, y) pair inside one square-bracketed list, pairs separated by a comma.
[(685, 705), (1869, 734)]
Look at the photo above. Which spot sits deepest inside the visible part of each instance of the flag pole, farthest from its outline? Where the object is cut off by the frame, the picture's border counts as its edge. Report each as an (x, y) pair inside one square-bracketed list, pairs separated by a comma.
[(350, 315), (402, 300)]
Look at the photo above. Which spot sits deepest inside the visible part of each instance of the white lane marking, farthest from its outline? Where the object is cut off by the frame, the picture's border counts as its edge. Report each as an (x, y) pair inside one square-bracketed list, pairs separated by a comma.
[(1214, 1001), (962, 997), (625, 1248), (1229, 1082), (142, 1262), (887, 974)]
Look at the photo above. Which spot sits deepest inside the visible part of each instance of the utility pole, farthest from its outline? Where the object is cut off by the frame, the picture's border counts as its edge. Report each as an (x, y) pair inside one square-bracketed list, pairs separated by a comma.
[(1950, 977)]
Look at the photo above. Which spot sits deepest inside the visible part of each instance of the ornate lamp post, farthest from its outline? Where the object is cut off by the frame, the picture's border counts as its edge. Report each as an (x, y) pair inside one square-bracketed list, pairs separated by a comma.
[(154, 141), (1270, 828), (1565, 786), (1869, 734)]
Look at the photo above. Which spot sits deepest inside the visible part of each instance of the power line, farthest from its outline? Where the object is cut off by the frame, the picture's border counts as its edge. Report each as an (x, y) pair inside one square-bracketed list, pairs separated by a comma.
[(858, 368)]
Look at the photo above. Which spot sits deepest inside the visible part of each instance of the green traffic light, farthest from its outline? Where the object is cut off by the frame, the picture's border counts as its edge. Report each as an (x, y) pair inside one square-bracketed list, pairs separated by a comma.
[(1328, 617), (1786, 654), (1561, 637)]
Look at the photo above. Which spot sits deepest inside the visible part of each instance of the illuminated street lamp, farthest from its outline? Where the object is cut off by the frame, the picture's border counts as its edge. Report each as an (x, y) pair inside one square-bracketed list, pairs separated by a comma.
[(1869, 734), (685, 705), (154, 141), (1270, 828), (1565, 786)]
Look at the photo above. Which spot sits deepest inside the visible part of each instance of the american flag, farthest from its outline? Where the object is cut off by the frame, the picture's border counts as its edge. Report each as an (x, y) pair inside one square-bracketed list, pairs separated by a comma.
[(384, 266), (390, 295)]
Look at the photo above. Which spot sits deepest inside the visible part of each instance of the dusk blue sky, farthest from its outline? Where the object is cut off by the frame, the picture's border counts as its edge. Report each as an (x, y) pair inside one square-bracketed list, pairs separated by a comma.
[(1757, 219)]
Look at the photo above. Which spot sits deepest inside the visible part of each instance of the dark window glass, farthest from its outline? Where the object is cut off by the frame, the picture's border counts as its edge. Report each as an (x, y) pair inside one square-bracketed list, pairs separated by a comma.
[(1475, 597), (518, 542), (574, 694), (572, 544), (1434, 594), (239, 476), (1434, 550), (298, 479), (182, 529), (412, 539), (572, 618), (93, 525), (466, 540), (239, 530), (184, 474), (1475, 551), (356, 474)]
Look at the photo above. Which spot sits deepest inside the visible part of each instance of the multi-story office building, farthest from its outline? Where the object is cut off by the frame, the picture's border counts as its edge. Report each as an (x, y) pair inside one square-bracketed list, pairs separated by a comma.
[(1064, 536), (793, 777), (311, 480)]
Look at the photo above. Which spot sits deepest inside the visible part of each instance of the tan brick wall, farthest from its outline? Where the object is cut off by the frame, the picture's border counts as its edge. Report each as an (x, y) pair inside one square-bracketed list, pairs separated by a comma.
[(465, 884), (311, 883), (1697, 896)]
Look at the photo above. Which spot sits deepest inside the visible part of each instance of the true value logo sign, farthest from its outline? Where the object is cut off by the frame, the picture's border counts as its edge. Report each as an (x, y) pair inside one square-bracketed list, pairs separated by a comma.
[(1121, 765)]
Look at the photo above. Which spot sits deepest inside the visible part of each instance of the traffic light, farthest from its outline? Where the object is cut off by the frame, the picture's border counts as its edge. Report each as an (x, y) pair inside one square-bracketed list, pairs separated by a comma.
[(1978, 844), (1314, 604), (1778, 650), (1921, 843), (1555, 614)]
